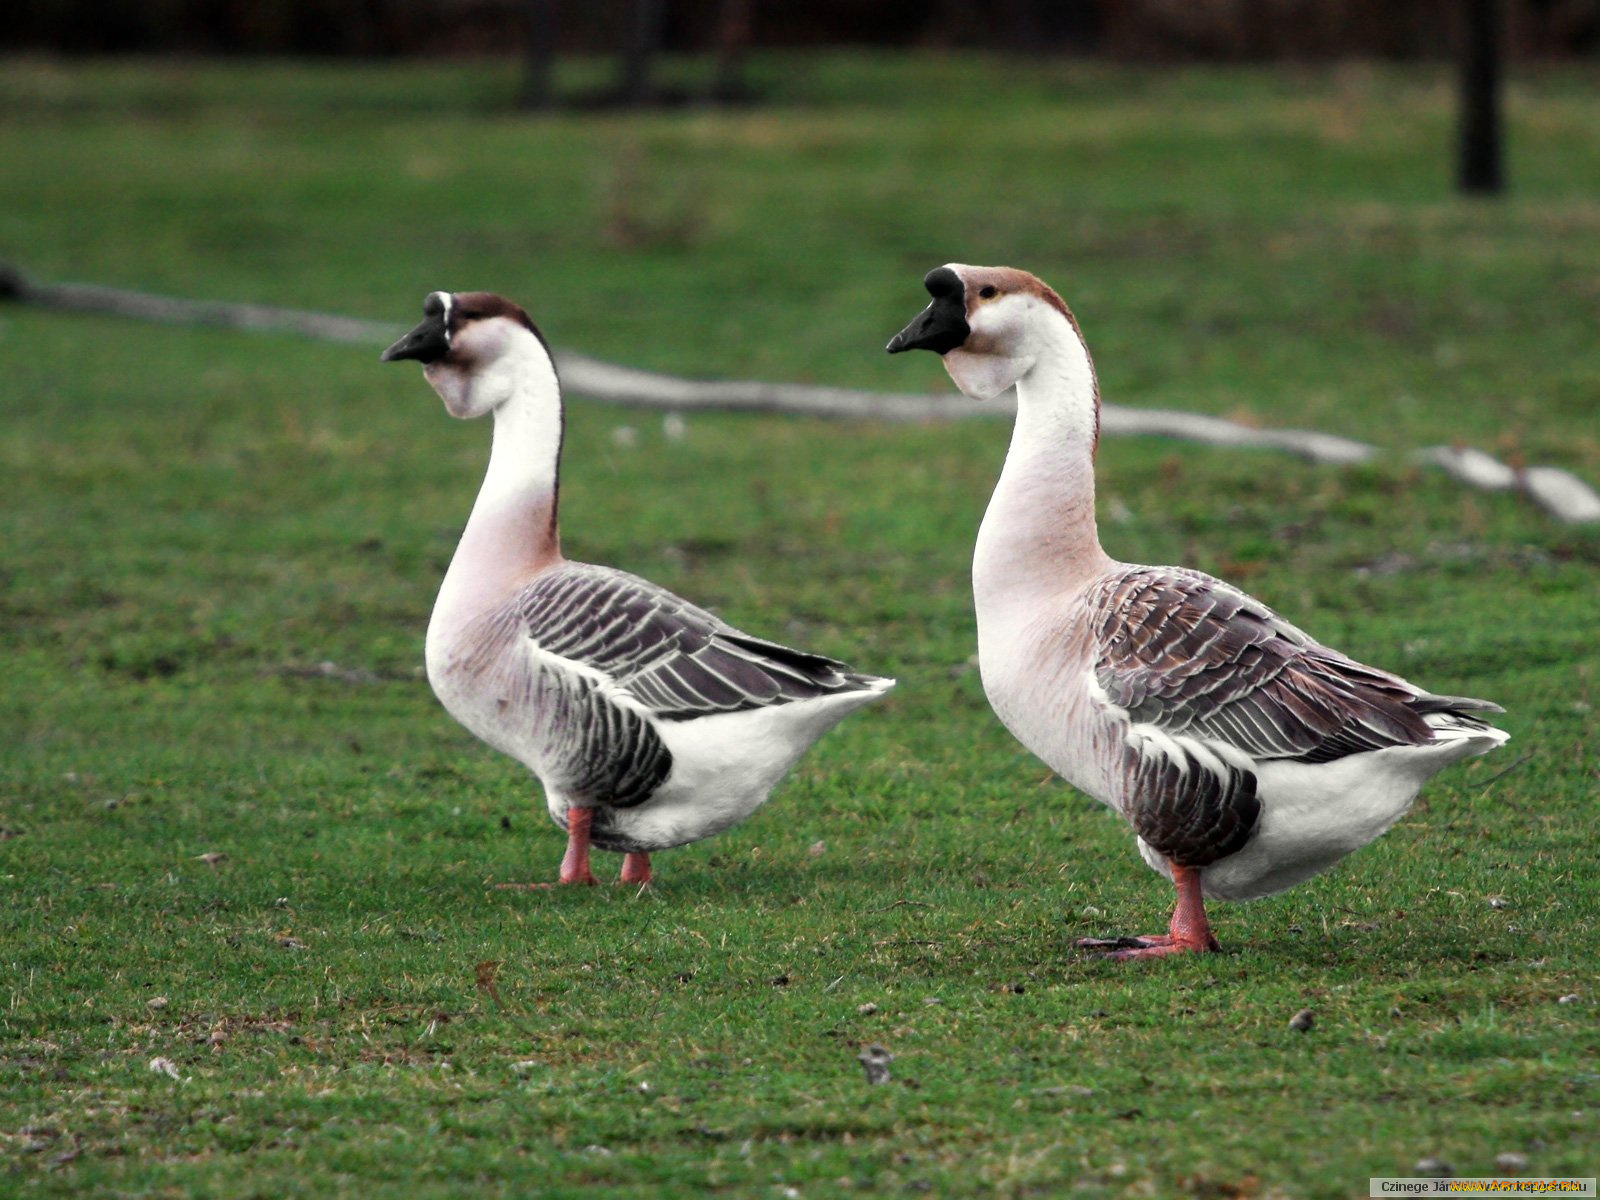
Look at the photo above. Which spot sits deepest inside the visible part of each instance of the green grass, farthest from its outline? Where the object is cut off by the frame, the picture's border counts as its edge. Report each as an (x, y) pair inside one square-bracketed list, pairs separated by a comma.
[(197, 521)]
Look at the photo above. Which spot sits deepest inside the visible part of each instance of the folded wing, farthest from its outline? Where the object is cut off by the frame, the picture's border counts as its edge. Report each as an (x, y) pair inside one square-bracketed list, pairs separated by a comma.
[(1212, 683), (669, 656)]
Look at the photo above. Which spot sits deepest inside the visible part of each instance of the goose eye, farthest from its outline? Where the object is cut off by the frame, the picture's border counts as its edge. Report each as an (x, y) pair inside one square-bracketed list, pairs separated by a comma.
[(988, 292)]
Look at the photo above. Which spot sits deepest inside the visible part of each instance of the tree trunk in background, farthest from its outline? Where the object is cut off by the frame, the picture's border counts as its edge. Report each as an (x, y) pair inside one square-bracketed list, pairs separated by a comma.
[(733, 41), (639, 52), (1481, 166), (538, 58)]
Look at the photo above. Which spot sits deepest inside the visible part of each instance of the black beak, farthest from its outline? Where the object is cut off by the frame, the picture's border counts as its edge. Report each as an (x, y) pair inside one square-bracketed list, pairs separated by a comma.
[(426, 343), (942, 326)]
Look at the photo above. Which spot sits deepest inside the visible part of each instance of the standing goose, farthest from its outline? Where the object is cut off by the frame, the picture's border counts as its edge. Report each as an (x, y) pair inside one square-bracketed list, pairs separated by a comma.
[(650, 722), (1246, 755)]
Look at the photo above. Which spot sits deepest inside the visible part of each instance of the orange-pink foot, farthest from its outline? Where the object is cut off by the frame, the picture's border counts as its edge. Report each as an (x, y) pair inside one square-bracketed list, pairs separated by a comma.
[(575, 864), (636, 868), (1153, 946), (1189, 933)]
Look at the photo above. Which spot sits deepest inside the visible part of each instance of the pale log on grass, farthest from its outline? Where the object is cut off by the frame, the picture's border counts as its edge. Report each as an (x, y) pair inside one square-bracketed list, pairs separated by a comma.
[(1560, 493)]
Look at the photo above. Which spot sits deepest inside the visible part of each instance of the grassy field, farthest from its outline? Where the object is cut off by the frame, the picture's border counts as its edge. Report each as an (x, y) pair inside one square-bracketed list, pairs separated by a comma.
[(248, 940)]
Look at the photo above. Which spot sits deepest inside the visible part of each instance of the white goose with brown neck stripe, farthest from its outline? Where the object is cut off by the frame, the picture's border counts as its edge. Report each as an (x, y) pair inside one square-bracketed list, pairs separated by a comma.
[(1232, 741), (621, 697)]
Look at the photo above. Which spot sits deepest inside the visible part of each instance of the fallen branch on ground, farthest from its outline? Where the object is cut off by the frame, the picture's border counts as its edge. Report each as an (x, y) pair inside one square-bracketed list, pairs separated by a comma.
[(1558, 492)]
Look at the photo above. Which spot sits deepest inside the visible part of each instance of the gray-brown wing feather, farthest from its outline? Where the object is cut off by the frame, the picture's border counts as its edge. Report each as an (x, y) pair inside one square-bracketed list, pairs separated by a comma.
[(1204, 663), (591, 750), (597, 752), (1193, 810), (1191, 655), (600, 633), (670, 656)]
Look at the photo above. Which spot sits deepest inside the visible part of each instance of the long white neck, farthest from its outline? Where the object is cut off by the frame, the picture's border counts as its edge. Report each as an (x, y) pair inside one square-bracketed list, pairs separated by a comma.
[(1039, 537), (512, 532)]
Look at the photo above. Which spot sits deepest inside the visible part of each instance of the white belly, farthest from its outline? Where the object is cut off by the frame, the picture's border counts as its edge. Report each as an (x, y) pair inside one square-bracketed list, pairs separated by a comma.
[(1312, 815), (724, 767)]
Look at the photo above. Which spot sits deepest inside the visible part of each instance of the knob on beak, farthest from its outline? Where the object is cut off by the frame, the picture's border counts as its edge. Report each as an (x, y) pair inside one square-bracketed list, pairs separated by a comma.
[(942, 326)]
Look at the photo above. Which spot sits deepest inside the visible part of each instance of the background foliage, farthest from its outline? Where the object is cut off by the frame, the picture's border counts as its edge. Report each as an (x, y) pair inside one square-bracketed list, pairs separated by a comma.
[(1127, 30)]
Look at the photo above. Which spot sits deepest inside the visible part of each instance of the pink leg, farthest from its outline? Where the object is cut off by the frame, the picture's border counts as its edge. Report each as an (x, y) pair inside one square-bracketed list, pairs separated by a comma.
[(575, 865), (1189, 931), (636, 868)]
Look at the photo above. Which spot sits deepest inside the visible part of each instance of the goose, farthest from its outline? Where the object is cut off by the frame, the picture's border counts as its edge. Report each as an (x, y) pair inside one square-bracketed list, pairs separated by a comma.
[(1246, 755), (649, 722)]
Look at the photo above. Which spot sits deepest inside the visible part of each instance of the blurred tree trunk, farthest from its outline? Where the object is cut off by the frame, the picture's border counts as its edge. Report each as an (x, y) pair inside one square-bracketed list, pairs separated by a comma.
[(639, 52), (1020, 26), (538, 89), (733, 40), (1480, 169)]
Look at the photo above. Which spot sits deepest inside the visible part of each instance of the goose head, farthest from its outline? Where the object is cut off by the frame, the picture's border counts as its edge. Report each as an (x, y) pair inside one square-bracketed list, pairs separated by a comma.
[(477, 349), (991, 326)]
